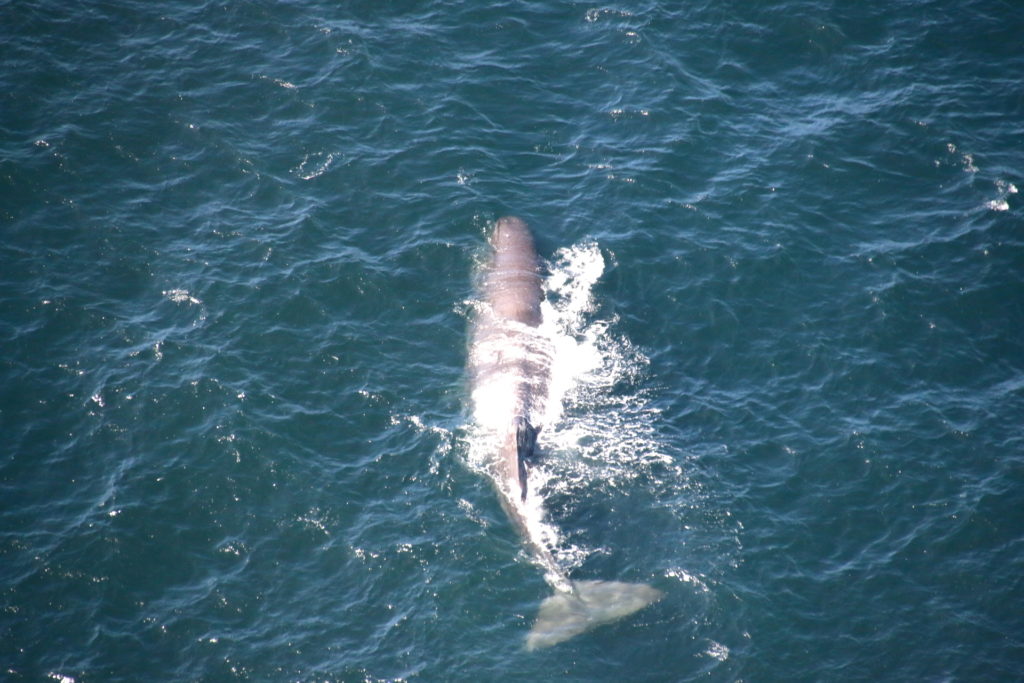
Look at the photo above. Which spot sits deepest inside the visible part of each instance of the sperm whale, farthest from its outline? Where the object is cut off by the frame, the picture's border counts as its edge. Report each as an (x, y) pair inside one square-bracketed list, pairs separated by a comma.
[(511, 357)]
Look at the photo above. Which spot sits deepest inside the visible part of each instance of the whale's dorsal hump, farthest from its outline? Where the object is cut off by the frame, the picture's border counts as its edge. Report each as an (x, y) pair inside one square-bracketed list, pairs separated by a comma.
[(526, 445)]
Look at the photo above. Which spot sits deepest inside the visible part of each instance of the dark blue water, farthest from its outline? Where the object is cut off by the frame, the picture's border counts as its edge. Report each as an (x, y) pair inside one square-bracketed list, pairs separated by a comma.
[(238, 249)]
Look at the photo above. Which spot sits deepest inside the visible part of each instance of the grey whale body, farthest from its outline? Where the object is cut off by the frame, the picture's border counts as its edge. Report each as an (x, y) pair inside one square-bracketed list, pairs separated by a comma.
[(513, 293), (509, 351)]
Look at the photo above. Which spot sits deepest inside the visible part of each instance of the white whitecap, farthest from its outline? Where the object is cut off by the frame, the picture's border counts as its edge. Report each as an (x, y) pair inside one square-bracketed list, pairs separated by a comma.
[(314, 165), (717, 651), (180, 296)]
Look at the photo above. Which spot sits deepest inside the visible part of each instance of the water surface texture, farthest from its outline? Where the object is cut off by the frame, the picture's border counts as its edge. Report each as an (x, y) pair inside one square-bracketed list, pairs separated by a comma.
[(784, 255)]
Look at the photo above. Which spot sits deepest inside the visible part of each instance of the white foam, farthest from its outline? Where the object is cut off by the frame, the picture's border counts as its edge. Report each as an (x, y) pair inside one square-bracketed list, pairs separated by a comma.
[(610, 432), (1005, 189), (180, 296), (717, 651), (314, 165)]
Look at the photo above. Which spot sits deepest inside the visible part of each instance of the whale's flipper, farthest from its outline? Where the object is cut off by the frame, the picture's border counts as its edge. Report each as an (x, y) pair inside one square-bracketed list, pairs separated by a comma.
[(526, 444), (589, 605)]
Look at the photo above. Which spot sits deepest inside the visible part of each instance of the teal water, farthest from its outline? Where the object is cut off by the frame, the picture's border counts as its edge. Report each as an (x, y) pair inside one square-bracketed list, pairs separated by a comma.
[(237, 266)]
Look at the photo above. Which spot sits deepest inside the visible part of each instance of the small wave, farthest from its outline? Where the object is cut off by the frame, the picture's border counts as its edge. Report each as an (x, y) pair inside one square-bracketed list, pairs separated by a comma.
[(686, 577), (314, 165), (597, 13), (180, 296), (183, 296), (717, 651), (1000, 203)]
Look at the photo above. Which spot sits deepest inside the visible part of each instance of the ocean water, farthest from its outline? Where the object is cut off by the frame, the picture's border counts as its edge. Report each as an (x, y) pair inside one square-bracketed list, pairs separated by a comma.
[(239, 245)]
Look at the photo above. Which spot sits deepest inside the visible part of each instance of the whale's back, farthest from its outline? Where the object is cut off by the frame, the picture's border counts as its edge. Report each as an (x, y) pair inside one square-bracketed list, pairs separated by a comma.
[(513, 285)]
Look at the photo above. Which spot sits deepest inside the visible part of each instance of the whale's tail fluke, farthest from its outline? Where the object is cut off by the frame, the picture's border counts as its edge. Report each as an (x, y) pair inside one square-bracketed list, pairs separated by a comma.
[(588, 605)]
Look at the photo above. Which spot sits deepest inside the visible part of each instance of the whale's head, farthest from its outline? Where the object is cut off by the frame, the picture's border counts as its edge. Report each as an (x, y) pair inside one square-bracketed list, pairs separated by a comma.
[(511, 236)]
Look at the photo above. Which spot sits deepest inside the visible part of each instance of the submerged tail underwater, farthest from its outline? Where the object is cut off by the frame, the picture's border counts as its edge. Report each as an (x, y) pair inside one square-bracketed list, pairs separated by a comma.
[(510, 362)]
